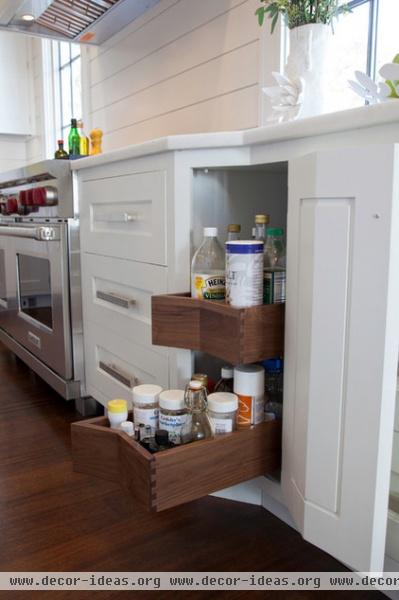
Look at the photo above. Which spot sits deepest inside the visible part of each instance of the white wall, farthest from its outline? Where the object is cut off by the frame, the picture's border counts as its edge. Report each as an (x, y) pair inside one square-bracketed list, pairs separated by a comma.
[(35, 146), (185, 66)]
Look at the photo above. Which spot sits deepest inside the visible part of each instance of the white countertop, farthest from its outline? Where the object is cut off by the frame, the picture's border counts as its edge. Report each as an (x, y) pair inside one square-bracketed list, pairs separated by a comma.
[(357, 118)]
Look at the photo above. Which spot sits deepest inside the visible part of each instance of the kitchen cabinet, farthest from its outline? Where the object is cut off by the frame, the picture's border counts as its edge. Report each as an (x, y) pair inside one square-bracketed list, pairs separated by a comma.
[(337, 194), (17, 84)]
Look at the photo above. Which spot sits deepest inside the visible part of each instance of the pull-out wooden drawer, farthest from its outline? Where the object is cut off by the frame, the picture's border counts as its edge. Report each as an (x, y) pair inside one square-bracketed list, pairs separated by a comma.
[(117, 293), (115, 365), (172, 477), (125, 217)]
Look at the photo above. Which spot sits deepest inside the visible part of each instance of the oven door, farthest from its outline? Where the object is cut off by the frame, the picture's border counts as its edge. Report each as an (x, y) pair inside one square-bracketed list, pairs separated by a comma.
[(34, 301)]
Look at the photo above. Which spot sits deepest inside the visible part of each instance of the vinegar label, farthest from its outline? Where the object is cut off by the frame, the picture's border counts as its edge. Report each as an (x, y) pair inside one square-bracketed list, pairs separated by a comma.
[(209, 287)]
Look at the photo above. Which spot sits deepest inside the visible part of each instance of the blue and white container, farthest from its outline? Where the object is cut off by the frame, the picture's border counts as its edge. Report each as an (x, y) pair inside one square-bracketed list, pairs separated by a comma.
[(244, 273)]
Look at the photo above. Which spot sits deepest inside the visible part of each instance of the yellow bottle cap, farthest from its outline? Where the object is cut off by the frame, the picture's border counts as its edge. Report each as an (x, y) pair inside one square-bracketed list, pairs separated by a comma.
[(117, 406)]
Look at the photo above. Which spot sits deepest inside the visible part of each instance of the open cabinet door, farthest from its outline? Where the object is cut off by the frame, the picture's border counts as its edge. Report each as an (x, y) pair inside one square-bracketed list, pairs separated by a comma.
[(342, 333)]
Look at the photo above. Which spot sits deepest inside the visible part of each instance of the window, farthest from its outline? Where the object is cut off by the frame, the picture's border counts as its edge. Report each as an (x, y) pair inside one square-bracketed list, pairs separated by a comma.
[(67, 85), (363, 40)]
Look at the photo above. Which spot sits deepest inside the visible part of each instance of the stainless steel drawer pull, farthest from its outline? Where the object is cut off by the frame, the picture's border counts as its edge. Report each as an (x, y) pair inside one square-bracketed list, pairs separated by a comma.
[(125, 378), (113, 298), (124, 218)]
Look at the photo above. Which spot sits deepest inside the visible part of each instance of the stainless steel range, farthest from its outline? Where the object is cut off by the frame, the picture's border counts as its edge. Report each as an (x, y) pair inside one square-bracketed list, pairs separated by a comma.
[(40, 292)]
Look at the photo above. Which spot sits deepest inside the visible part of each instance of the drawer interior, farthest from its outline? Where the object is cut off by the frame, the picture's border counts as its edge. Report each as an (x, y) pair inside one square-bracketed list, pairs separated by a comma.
[(172, 477)]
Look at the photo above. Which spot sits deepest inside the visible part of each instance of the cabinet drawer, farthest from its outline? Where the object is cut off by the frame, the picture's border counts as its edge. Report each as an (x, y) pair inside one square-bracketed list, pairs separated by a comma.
[(118, 293), (125, 216), (115, 365), (172, 477)]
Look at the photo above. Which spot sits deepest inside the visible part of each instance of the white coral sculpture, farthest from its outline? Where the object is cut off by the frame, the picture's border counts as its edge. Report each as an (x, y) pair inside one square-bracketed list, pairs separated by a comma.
[(286, 96), (366, 88)]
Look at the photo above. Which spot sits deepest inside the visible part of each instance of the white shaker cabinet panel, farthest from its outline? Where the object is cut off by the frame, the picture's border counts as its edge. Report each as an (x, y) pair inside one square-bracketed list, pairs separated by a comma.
[(16, 85), (342, 332), (114, 365), (118, 293), (125, 216)]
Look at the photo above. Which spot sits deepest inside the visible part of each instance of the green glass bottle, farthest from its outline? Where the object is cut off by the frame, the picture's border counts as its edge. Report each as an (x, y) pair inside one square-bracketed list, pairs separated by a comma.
[(74, 140), (60, 153)]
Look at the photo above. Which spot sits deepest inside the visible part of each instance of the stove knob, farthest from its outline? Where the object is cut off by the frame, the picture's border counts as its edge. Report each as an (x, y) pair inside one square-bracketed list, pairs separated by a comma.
[(39, 197), (12, 206)]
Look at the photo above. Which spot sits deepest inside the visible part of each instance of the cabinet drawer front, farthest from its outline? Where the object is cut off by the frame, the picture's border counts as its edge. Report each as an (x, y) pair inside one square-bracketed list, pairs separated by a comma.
[(125, 216), (172, 477), (115, 365), (118, 293)]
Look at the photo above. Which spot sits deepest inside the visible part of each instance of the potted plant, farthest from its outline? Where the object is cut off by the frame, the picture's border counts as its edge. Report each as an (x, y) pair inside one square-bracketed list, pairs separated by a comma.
[(307, 69)]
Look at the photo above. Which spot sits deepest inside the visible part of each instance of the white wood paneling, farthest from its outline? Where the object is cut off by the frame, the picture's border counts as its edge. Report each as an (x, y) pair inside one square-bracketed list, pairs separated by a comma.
[(231, 111), (183, 54), (184, 67)]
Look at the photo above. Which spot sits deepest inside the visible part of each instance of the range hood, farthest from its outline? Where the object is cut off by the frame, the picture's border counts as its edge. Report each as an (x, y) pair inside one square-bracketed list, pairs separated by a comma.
[(80, 21)]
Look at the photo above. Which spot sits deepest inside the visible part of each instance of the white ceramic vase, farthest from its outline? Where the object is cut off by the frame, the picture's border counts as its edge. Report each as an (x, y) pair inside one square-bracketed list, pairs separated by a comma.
[(308, 60)]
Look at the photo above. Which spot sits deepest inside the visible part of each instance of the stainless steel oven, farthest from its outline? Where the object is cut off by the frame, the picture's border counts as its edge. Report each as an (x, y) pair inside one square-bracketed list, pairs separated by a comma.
[(40, 300)]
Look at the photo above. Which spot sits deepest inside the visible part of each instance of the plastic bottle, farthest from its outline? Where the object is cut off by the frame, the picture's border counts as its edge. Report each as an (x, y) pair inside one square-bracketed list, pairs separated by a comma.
[(208, 280), (226, 381), (274, 271), (249, 385), (117, 413), (128, 428), (274, 387)]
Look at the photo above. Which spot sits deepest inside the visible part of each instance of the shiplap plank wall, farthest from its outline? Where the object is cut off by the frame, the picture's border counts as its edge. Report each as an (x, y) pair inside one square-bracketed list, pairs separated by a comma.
[(185, 66)]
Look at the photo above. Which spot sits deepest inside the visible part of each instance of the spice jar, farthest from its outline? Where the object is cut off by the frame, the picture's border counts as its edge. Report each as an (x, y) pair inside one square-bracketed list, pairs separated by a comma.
[(146, 405), (222, 412), (117, 413), (172, 413)]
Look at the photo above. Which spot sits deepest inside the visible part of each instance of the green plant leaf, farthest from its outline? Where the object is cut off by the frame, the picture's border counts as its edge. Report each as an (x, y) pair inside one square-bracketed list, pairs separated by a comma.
[(274, 21), (260, 12)]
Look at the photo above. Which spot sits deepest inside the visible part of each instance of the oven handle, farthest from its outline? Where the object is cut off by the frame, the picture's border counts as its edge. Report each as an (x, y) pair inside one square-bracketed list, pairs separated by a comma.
[(40, 234)]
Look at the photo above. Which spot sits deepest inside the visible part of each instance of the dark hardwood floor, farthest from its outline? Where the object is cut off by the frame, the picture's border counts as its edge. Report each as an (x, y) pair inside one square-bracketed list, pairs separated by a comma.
[(52, 519)]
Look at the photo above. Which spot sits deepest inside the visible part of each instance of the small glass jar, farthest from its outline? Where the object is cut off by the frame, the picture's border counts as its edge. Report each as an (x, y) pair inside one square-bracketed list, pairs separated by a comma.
[(222, 411), (172, 414), (202, 377), (146, 405), (117, 413)]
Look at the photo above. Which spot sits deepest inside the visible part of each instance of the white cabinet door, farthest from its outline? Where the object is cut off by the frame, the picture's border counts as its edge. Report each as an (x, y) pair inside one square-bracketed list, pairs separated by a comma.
[(16, 97), (342, 331)]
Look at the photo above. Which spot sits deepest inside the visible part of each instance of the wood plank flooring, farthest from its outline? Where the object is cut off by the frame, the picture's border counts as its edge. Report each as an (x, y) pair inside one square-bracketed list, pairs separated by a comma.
[(52, 519)]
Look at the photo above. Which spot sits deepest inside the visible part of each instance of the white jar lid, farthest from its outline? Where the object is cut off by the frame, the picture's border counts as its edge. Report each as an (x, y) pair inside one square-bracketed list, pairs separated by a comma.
[(222, 402), (249, 380), (210, 231), (127, 427), (146, 394), (195, 384), (172, 399), (227, 372)]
